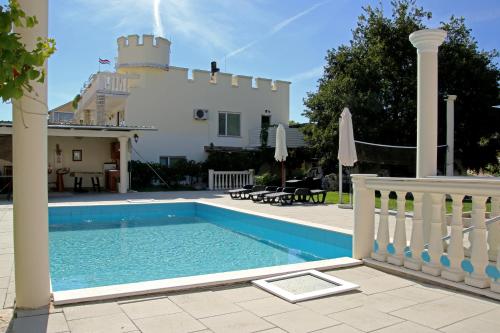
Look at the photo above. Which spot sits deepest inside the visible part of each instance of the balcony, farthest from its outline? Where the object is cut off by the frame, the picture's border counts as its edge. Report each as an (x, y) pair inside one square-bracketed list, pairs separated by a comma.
[(294, 137), (112, 85)]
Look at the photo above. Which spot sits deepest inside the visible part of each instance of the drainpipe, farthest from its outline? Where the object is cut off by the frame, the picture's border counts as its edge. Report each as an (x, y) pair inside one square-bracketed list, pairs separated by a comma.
[(450, 134), (29, 142)]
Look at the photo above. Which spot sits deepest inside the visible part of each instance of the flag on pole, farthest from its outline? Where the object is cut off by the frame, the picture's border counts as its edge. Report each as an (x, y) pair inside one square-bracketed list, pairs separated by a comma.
[(104, 61)]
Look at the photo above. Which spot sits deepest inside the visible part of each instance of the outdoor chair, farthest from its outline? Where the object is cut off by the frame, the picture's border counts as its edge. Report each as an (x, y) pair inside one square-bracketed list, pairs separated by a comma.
[(259, 195), (240, 193), (285, 197)]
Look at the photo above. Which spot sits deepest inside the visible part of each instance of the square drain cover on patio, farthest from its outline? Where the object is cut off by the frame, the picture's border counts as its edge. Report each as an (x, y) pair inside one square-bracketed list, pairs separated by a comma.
[(306, 285)]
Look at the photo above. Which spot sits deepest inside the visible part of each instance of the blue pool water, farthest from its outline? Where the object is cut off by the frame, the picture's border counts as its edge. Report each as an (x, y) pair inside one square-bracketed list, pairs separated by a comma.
[(93, 246)]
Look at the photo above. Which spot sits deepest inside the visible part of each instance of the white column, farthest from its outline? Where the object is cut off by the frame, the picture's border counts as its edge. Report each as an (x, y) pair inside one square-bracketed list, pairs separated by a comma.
[(417, 234), (123, 164), (399, 239), (433, 265), (29, 114), (383, 238), (427, 43), (450, 133), (454, 271), (211, 180), (364, 217)]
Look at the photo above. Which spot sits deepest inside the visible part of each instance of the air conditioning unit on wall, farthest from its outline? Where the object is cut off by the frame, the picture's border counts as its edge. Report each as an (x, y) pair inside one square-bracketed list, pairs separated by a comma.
[(200, 114)]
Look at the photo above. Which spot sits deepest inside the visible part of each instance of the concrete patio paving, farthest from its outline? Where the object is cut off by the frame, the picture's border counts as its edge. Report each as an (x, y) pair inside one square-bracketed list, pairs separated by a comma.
[(384, 303)]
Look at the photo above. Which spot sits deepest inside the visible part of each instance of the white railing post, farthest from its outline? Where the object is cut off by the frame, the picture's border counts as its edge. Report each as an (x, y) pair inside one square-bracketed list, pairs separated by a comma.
[(413, 259), (251, 176), (364, 217), (396, 252), (380, 248), (494, 230), (452, 261), (479, 250), (211, 180), (432, 257)]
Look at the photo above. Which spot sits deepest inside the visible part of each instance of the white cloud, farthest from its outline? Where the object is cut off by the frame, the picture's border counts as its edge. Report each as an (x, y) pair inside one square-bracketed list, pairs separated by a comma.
[(158, 26), (313, 73)]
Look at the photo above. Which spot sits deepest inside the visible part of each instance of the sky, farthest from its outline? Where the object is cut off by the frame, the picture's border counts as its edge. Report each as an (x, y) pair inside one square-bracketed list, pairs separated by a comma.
[(276, 39)]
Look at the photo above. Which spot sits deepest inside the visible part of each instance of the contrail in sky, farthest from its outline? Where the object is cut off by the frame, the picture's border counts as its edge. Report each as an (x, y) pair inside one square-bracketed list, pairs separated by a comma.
[(276, 28), (158, 25)]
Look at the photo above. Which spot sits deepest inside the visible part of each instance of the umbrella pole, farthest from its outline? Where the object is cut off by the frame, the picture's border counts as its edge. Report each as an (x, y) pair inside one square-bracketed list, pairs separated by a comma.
[(340, 183), (282, 174)]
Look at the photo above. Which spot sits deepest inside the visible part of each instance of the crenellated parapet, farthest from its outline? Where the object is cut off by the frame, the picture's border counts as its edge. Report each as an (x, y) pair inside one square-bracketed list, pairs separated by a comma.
[(151, 52), (221, 79)]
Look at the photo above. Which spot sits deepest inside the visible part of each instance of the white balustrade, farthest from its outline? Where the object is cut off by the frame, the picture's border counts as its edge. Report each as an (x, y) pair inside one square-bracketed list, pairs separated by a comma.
[(225, 180), (103, 83), (444, 255)]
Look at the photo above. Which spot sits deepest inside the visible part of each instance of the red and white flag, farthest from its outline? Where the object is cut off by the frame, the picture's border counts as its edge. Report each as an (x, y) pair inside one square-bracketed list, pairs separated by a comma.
[(104, 61)]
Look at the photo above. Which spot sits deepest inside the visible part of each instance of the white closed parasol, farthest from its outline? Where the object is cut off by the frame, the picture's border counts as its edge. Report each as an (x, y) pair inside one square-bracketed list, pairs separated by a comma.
[(280, 152), (347, 148)]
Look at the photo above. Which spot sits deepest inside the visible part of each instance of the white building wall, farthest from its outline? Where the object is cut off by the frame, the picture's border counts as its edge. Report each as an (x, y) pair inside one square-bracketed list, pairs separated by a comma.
[(166, 99)]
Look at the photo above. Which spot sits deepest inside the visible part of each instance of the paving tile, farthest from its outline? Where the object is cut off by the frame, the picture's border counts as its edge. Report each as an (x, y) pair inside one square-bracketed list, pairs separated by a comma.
[(117, 322), (444, 311), (488, 322), (5, 318), (416, 293), (406, 327), (173, 323), (383, 283), (204, 304), (301, 321), (241, 294), (51, 323), (4, 282), (365, 318), (343, 328), (388, 303), (150, 308), (240, 322), (90, 310), (272, 330), (268, 306), (10, 298), (336, 303)]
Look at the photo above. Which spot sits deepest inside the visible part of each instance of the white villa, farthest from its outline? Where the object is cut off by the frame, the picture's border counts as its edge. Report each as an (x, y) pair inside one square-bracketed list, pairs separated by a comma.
[(210, 110)]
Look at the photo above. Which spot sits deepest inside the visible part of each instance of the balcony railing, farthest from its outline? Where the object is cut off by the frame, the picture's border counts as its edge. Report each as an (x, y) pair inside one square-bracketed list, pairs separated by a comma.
[(103, 83), (294, 138), (432, 242)]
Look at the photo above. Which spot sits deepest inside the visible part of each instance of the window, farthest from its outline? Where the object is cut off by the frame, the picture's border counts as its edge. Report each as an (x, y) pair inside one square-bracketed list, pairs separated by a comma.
[(170, 161), (229, 124)]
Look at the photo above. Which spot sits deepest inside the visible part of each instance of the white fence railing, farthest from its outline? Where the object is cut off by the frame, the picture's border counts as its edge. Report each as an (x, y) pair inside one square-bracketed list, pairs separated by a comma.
[(432, 243), (225, 180), (103, 82)]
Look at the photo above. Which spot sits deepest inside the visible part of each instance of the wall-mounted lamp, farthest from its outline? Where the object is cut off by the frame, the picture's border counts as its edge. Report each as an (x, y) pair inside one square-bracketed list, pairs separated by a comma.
[(136, 138), (266, 111)]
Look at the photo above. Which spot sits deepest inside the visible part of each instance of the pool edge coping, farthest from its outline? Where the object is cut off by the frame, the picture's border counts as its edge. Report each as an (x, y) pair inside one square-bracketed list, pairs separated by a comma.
[(193, 282)]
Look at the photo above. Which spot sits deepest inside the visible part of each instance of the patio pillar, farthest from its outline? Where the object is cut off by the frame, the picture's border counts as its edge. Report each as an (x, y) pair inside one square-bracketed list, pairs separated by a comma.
[(123, 164), (29, 141), (427, 42), (450, 134)]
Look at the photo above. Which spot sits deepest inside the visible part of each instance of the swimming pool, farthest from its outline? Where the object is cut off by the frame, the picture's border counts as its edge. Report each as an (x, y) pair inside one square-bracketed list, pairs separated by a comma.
[(94, 246)]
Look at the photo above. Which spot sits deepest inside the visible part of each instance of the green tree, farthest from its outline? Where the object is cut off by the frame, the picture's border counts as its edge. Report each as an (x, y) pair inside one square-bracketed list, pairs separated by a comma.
[(19, 66), (376, 77)]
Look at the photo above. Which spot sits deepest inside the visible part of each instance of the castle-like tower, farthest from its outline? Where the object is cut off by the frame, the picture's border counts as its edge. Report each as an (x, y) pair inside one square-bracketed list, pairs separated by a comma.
[(152, 52)]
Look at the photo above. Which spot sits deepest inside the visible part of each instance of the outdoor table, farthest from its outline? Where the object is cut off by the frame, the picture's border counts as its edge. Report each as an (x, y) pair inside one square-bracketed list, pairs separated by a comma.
[(94, 177)]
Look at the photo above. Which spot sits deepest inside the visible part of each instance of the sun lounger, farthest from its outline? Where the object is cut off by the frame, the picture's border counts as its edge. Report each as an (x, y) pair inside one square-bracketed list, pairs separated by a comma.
[(259, 195), (238, 193), (285, 197), (318, 196)]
